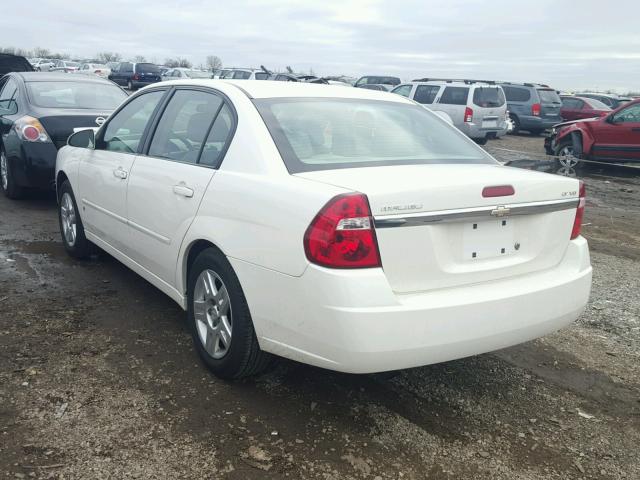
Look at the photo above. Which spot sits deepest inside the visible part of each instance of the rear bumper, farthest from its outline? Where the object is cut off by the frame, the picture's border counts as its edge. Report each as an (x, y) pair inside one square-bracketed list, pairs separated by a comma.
[(537, 123), (352, 321), (474, 130)]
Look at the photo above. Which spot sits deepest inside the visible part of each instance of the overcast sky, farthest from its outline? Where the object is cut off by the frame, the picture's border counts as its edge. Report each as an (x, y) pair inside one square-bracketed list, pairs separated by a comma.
[(568, 44)]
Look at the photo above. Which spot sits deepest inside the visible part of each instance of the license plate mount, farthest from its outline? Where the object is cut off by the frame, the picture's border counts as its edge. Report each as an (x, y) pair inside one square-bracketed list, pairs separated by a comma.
[(488, 239)]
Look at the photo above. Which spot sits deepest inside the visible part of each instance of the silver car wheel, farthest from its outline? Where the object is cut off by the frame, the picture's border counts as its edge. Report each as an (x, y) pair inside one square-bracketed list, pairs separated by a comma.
[(68, 219), (4, 172), (567, 158), (212, 312)]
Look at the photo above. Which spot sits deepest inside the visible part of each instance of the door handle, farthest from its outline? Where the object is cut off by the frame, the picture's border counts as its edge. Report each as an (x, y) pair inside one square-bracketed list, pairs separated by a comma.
[(120, 173), (183, 190)]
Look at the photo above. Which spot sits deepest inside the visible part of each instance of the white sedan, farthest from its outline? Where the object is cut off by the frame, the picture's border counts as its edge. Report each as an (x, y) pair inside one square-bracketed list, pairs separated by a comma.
[(345, 228), (94, 69)]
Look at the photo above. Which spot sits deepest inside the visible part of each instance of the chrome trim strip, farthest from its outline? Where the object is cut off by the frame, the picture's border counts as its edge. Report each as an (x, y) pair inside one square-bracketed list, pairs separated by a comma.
[(109, 213), (480, 213)]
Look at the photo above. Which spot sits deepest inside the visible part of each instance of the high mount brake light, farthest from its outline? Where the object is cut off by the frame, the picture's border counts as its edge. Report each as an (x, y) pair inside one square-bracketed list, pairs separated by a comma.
[(577, 222), (342, 234), (498, 191)]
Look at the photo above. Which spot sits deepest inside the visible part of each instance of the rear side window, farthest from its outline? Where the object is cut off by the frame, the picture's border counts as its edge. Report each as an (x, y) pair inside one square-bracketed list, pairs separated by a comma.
[(147, 68), (7, 97), (548, 96), (426, 94), (126, 67), (125, 128), (488, 97), (597, 104), (516, 94), (218, 138), (184, 125), (262, 76), (455, 96), (240, 75), (571, 103)]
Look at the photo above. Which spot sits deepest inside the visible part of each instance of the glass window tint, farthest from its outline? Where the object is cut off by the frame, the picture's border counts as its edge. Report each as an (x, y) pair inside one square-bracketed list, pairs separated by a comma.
[(147, 68), (184, 125), (262, 76), (320, 134), (516, 94), (597, 104), (548, 96), (76, 95), (126, 67), (404, 90), (125, 128), (9, 90), (426, 94), (631, 114), (488, 97), (455, 96), (241, 75), (218, 138), (570, 103)]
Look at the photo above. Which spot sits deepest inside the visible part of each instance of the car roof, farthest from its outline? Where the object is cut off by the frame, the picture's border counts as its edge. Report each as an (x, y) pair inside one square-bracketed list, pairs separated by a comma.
[(274, 89), (58, 77)]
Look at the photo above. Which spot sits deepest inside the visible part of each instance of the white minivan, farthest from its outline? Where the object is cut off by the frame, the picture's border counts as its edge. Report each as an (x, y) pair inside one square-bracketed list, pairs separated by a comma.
[(478, 108)]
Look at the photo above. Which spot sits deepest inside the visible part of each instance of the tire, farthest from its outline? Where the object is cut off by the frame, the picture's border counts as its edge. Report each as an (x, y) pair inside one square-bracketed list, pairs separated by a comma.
[(130, 86), (69, 220), (214, 317), (480, 141), (8, 184), (516, 124), (566, 156)]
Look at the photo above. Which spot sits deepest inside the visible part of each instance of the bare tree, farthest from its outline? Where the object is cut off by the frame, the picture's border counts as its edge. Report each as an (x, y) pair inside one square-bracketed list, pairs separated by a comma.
[(177, 62), (40, 52), (214, 62), (106, 57), (139, 59)]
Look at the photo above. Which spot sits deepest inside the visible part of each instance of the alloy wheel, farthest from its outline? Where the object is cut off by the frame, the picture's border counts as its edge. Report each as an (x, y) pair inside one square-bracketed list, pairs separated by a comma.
[(68, 219), (567, 158), (4, 170), (213, 315)]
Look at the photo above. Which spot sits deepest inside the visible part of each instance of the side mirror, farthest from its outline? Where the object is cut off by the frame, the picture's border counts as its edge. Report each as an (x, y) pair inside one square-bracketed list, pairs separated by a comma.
[(83, 139)]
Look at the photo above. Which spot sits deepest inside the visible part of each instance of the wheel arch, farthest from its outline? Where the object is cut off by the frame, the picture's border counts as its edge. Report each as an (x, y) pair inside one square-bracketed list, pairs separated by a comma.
[(192, 250), (61, 176)]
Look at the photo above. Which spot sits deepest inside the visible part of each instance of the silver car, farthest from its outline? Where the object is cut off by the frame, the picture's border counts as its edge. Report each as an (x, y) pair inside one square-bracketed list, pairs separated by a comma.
[(478, 108)]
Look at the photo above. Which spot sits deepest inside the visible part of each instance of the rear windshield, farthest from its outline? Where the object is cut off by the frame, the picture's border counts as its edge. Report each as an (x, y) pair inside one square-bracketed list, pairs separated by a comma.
[(549, 96), (380, 80), (82, 95), (488, 97), (147, 68), (197, 74), (330, 133), (597, 104), (516, 94)]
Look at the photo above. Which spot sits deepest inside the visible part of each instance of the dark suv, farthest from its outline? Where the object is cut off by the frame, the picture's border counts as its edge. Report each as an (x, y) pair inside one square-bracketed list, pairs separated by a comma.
[(135, 75), (13, 63), (532, 107)]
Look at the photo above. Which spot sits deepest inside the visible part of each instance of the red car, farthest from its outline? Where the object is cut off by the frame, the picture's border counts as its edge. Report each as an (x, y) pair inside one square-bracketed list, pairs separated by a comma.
[(612, 138), (577, 108)]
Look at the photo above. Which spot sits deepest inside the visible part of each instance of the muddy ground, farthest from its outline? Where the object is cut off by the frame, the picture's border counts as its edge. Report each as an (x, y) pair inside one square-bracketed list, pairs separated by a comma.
[(98, 378)]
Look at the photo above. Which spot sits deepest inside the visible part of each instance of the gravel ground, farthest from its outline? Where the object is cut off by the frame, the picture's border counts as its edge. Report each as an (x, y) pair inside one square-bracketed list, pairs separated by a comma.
[(98, 378)]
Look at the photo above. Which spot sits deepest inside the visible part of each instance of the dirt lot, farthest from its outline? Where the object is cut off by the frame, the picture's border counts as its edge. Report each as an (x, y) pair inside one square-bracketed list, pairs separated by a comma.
[(98, 378)]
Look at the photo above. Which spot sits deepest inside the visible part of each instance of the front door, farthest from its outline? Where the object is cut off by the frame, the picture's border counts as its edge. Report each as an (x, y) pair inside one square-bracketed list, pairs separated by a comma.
[(619, 137), (104, 173), (168, 183)]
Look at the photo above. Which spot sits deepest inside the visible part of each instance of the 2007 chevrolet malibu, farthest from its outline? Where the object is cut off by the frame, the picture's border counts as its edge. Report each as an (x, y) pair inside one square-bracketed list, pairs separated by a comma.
[(345, 228)]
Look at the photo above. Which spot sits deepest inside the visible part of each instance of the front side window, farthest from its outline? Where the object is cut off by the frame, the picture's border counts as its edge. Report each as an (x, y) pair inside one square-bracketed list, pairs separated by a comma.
[(125, 129), (76, 95), (184, 125), (426, 94), (571, 103), (630, 114), (454, 96), (322, 134), (8, 94)]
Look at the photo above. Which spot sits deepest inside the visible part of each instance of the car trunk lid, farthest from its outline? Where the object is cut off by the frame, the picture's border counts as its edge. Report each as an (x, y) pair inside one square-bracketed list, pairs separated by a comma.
[(60, 124), (436, 230)]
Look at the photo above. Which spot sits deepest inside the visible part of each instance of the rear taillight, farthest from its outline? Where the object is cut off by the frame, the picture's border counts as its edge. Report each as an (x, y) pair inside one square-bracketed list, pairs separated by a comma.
[(535, 109), (136, 77), (97, 71), (30, 129), (468, 115), (577, 222), (342, 234)]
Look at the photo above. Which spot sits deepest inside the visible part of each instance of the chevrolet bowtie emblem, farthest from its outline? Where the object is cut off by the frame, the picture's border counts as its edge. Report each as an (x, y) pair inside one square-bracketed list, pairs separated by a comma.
[(501, 211)]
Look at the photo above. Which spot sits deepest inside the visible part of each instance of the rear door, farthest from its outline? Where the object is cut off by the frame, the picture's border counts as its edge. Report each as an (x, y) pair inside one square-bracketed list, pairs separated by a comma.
[(489, 106), (167, 183), (550, 104), (426, 94), (619, 138), (104, 173), (518, 99)]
